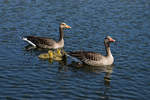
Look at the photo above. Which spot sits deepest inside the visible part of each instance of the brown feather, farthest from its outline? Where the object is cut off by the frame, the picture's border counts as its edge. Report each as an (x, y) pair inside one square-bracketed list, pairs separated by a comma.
[(86, 55), (41, 41)]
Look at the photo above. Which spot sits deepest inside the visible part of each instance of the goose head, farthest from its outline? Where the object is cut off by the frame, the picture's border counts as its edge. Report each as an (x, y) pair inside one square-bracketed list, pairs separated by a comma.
[(64, 25), (108, 40)]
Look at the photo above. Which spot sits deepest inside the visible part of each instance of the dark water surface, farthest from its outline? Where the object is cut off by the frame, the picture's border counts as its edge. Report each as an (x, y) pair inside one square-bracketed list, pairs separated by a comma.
[(25, 77)]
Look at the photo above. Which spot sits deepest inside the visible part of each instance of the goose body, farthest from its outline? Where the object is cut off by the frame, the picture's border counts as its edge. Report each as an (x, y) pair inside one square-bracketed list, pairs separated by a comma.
[(44, 42), (47, 43), (93, 58)]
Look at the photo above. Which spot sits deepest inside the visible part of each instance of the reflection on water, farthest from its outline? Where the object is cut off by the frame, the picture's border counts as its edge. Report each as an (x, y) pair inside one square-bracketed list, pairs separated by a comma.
[(107, 69), (101, 69)]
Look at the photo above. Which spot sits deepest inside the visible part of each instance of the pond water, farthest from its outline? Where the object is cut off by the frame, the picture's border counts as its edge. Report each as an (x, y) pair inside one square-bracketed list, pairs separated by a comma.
[(23, 76)]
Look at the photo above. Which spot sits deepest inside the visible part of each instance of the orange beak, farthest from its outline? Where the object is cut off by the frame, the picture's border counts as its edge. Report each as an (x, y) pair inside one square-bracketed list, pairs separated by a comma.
[(67, 26), (111, 40)]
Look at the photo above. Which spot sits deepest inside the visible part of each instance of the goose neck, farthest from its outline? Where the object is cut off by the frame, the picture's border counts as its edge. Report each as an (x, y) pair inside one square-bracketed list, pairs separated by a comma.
[(61, 35), (108, 51)]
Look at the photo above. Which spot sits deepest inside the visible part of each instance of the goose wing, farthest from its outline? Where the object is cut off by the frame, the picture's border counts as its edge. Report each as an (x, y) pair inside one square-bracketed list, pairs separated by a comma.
[(85, 55), (40, 41)]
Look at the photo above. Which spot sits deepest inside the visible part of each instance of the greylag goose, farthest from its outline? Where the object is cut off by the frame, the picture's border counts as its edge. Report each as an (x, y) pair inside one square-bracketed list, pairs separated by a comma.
[(47, 43), (95, 59)]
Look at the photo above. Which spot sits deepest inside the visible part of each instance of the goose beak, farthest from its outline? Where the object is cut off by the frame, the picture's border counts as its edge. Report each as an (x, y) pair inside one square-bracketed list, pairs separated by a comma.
[(67, 26), (111, 40)]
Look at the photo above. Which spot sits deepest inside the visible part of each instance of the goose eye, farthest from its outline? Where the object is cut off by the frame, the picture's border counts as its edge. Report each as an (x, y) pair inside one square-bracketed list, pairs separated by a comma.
[(63, 24)]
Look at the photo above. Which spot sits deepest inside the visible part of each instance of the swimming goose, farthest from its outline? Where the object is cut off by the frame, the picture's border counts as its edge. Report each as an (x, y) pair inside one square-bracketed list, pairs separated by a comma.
[(95, 59), (47, 43)]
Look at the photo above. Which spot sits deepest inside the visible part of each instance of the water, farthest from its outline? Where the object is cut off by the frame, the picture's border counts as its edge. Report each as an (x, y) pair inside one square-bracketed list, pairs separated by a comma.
[(25, 77)]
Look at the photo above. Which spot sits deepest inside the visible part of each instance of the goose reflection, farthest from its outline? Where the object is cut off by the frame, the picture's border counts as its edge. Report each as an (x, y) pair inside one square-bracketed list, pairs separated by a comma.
[(98, 70), (88, 68)]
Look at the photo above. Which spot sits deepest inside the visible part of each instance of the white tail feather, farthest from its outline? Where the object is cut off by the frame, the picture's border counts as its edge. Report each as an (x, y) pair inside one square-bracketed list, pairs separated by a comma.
[(25, 39)]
